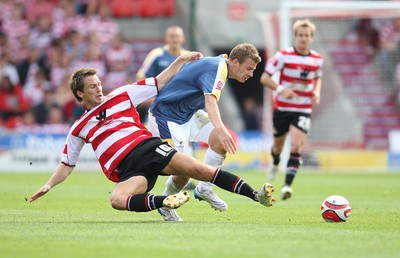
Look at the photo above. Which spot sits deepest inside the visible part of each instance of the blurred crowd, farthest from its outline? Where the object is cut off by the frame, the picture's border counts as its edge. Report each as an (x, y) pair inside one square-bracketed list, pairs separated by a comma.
[(41, 43), (382, 36)]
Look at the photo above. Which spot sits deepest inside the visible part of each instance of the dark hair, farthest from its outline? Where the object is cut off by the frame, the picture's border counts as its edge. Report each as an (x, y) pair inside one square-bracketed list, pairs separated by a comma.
[(76, 81)]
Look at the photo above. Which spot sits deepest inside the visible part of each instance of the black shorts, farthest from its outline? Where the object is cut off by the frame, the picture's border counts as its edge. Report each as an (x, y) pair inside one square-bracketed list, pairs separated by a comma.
[(283, 119), (147, 159)]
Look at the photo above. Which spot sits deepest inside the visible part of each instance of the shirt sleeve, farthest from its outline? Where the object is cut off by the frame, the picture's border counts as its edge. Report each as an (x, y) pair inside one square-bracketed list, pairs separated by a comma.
[(141, 91), (214, 81), (275, 64), (72, 149)]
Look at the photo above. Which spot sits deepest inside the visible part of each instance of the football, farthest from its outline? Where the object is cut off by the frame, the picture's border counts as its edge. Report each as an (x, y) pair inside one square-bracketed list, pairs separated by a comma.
[(335, 208)]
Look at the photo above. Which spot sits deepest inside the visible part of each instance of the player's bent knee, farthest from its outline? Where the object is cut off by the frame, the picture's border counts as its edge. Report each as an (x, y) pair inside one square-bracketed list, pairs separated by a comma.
[(118, 202)]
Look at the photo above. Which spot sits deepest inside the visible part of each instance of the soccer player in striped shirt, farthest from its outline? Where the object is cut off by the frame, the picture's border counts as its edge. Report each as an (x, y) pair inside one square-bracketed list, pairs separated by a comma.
[(128, 153), (298, 89)]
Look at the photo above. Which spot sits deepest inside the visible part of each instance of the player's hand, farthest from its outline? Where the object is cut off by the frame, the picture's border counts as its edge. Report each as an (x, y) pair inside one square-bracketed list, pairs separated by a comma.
[(288, 93), (191, 56), (42, 191), (316, 97), (226, 140)]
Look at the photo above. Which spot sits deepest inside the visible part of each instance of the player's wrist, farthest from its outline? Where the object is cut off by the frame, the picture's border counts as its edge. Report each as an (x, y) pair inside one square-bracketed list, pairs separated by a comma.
[(279, 89)]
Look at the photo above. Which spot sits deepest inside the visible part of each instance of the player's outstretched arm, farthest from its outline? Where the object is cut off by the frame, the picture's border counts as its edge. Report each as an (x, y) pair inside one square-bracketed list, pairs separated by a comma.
[(61, 173), (168, 73)]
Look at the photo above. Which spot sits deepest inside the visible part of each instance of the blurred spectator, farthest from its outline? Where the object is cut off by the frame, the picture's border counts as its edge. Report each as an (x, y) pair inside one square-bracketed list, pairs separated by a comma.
[(118, 52), (398, 84), (28, 67), (117, 77), (55, 122), (40, 35), (23, 50), (87, 7), (36, 86), (365, 33), (41, 111), (103, 26), (4, 46), (65, 98), (250, 115), (8, 69), (92, 58), (75, 44), (58, 70), (389, 42), (28, 124), (15, 26), (13, 102), (39, 8), (67, 20), (118, 59)]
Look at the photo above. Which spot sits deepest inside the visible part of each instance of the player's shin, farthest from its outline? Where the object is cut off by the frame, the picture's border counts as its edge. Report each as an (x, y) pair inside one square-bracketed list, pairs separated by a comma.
[(144, 202), (214, 159), (171, 187), (292, 167), (232, 183)]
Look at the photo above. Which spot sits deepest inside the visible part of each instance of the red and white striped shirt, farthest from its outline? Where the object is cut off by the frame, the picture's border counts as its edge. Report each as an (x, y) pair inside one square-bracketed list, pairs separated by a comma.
[(297, 72), (113, 128)]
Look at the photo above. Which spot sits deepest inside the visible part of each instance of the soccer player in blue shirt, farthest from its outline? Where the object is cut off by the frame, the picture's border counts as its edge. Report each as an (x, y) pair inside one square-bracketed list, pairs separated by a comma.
[(187, 111), (159, 59)]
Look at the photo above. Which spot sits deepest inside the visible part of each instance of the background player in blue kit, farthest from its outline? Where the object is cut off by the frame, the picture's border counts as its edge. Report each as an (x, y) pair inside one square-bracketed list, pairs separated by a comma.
[(159, 59), (177, 114)]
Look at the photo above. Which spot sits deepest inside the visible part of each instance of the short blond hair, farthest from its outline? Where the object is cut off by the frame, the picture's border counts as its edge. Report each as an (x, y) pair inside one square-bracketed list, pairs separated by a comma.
[(306, 23), (243, 51)]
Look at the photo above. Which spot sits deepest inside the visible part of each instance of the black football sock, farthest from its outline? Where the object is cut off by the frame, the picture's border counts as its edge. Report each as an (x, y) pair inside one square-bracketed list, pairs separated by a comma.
[(144, 202), (232, 183), (292, 167), (276, 157)]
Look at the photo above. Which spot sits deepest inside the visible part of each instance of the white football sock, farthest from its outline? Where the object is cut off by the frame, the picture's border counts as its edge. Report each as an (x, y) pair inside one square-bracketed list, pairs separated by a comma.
[(170, 187), (214, 159)]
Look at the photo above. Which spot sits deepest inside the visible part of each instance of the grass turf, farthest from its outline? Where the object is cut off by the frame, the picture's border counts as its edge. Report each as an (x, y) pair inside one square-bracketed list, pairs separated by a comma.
[(75, 220)]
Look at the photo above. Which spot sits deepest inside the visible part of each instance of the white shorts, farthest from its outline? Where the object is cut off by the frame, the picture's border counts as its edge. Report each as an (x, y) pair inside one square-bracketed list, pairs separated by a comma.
[(197, 129)]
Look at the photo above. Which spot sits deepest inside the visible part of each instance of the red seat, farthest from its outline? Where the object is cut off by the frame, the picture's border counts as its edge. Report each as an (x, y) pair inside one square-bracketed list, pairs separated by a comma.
[(150, 8), (168, 7), (123, 8)]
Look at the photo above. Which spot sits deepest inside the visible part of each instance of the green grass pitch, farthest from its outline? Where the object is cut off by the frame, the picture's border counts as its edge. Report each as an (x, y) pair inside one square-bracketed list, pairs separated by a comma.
[(75, 220)]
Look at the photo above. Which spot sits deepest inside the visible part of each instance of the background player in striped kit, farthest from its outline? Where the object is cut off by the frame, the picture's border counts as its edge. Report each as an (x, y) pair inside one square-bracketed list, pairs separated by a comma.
[(299, 88), (128, 153)]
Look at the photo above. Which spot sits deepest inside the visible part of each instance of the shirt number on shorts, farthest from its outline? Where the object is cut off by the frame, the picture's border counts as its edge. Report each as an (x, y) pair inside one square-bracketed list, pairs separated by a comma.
[(304, 123), (164, 149)]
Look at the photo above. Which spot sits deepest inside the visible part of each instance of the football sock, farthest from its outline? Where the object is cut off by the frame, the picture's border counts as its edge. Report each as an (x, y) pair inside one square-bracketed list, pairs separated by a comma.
[(232, 183), (276, 157), (144, 202), (292, 167), (214, 159), (170, 187)]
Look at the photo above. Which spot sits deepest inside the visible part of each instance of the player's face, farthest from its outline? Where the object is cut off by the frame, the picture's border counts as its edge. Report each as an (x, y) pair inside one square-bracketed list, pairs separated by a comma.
[(303, 39), (92, 94), (174, 38), (242, 71)]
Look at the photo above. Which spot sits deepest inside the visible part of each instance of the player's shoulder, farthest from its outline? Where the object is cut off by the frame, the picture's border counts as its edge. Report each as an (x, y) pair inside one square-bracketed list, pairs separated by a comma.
[(287, 51), (315, 54), (159, 51)]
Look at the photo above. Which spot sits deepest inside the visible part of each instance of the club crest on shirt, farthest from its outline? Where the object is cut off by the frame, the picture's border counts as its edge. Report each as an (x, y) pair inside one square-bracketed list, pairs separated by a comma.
[(220, 85)]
